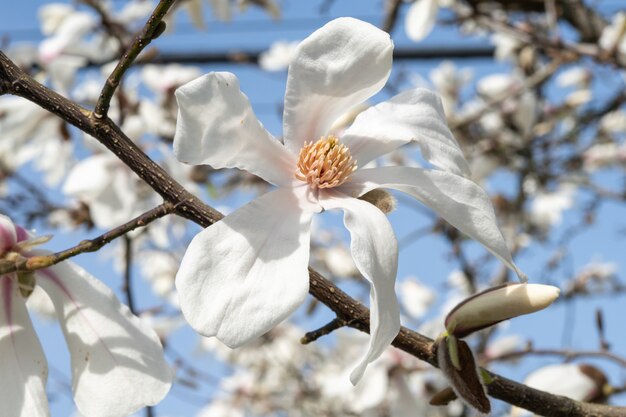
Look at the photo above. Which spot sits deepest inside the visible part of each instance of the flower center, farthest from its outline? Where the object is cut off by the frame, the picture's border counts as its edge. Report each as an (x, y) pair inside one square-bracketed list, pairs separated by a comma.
[(326, 163)]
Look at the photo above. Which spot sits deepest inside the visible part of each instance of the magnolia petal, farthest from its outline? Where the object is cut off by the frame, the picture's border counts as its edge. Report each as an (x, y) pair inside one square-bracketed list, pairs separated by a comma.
[(117, 361), (8, 234), (217, 126), (414, 115), (497, 304), (375, 251), (24, 367), (459, 201), (421, 18), (243, 275), (337, 67)]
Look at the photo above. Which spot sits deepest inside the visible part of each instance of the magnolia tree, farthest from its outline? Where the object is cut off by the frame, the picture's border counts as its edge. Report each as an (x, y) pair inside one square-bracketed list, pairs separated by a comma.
[(109, 143)]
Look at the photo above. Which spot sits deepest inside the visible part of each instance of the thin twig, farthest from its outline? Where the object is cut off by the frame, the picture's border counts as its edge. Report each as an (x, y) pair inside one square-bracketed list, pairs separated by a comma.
[(567, 354), (44, 261), (326, 329), (153, 28), (128, 266), (391, 15), (531, 82)]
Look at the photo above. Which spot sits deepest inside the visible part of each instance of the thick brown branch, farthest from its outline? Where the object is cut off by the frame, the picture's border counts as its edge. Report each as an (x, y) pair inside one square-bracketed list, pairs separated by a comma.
[(190, 207)]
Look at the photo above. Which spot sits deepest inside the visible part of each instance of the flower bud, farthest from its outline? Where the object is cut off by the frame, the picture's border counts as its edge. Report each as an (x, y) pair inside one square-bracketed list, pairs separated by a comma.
[(381, 199), (456, 361), (497, 304)]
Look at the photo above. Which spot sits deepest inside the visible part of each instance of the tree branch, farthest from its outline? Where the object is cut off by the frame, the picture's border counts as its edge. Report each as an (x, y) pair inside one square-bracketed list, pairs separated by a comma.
[(346, 308), (152, 29), (44, 261)]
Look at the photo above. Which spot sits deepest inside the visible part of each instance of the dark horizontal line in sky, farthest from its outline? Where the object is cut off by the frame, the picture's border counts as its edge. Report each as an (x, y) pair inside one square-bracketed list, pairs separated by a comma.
[(399, 54)]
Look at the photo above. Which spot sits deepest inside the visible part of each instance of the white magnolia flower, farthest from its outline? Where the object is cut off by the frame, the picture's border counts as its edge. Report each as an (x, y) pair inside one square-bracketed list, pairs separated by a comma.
[(117, 360), (246, 273)]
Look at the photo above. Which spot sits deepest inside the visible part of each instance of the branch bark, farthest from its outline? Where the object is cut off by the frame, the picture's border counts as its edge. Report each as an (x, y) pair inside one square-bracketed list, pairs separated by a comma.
[(15, 81)]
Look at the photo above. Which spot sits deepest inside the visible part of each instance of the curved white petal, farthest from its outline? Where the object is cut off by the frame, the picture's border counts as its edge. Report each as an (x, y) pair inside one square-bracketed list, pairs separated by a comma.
[(421, 18), (459, 201), (117, 361), (375, 251), (414, 115), (337, 67), (246, 273), (216, 126), (23, 365)]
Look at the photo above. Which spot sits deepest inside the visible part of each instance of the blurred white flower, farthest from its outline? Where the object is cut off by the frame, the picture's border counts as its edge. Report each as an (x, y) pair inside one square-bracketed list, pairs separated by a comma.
[(65, 29), (601, 155), (113, 192), (506, 46), (579, 382), (613, 36), (421, 18), (415, 297), (449, 81), (164, 79), (578, 76), (31, 134), (279, 56), (504, 345), (547, 208), (614, 122)]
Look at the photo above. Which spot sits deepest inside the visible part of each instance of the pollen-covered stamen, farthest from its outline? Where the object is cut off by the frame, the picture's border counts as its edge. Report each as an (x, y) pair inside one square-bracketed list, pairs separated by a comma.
[(326, 163)]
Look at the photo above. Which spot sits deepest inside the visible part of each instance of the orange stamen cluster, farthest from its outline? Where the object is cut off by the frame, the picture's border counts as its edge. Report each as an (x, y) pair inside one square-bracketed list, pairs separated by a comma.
[(326, 163)]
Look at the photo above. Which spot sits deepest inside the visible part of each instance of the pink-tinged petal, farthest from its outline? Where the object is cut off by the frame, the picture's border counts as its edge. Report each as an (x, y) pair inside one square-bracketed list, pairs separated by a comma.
[(459, 201), (216, 126), (8, 234), (117, 360), (337, 67), (421, 18), (22, 364), (414, 115), (248, 272), (375, 251)]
